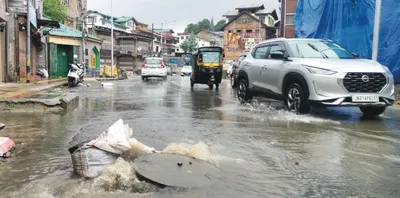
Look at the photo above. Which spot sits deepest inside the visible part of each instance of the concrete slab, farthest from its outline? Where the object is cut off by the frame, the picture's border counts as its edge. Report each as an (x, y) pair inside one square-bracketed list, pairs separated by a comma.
[(176, 170)]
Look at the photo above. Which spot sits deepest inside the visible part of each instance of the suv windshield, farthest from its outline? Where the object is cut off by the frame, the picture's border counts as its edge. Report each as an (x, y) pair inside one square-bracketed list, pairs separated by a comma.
[(319, 49)]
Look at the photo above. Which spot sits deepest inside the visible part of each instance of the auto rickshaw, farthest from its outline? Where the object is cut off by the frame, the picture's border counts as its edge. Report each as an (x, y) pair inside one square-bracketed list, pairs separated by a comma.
[(207, 66)]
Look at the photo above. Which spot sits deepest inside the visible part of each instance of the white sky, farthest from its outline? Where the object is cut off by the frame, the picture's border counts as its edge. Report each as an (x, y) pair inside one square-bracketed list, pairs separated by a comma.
[(181, 11)]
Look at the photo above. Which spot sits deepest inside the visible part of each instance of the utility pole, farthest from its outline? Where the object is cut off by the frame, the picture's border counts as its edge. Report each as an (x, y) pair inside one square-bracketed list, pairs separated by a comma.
[(112, 41), (152, 39), (28, 43), (83, 45), (375, 44), (162, 41)]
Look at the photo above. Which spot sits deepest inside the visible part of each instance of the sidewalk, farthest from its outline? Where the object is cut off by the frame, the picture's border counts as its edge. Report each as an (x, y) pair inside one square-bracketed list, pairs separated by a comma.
[(21, 90)]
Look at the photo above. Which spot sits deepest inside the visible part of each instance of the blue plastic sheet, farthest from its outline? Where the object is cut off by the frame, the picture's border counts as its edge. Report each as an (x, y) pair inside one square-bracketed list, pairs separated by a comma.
[(351, 24)]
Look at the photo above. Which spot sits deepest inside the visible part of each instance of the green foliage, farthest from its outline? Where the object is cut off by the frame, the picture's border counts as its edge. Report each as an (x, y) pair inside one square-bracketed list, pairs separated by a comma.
[(190, 44), (220, 25), (205, 24), (55, 10)]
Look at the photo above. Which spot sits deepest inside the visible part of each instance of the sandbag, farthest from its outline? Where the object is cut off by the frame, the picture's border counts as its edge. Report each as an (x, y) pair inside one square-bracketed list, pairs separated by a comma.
[(6, 146), (115, 139), (89, 162)]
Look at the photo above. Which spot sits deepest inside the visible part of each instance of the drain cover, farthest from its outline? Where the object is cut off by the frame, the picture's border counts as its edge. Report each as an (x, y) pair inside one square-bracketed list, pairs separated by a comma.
[(176, 170)]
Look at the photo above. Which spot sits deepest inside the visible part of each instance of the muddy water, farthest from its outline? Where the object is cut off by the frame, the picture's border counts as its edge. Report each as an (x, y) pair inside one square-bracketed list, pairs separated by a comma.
[(262, 150)]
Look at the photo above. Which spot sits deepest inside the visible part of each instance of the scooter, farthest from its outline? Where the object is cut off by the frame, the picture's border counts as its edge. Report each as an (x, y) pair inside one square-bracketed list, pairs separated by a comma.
[(7, 146), (42, 72), (75, 74)]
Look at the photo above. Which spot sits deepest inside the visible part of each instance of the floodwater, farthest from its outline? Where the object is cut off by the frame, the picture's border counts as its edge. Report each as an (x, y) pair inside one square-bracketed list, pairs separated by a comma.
[(262, 150)]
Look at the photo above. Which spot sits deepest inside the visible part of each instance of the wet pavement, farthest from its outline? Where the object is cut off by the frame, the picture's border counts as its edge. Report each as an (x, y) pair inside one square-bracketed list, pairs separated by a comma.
[(261, 150)]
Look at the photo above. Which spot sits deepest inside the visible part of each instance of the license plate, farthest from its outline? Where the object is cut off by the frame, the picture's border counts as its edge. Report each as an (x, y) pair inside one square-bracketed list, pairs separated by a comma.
[(365, 98)]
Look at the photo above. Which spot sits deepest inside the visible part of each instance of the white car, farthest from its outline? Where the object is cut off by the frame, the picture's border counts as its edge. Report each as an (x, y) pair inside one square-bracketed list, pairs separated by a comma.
[(308, 73), (154, 67), (186, 70)]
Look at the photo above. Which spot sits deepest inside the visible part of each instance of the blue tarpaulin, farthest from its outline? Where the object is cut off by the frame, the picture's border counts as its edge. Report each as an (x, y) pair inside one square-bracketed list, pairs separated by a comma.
[(351, 24)]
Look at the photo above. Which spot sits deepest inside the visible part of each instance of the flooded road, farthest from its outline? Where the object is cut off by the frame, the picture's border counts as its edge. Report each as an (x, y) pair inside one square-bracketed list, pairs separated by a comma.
[(262, 150)]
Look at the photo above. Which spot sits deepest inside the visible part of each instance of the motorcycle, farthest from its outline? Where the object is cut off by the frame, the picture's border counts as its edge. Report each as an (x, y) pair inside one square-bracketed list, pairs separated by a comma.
[(75, 74)]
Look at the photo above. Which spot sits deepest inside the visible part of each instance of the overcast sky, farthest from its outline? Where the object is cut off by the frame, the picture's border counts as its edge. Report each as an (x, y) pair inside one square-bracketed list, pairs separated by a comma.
[(181, 11)]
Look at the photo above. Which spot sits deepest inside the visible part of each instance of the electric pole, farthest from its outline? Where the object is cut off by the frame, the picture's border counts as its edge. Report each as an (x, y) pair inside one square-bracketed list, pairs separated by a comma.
[(28, 43), (152, 39)]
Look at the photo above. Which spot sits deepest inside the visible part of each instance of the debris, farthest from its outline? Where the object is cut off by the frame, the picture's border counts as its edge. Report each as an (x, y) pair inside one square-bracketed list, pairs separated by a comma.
[(89, 162), (88, 85), (7, 146), (297, 163), (53, 91), (190, 163), (106, 84), (2, 126), (179, 163)]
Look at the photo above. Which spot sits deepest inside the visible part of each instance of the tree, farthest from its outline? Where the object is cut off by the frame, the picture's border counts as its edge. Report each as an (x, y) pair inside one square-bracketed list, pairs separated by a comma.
[(192, 28), (204, 24), (190, 44), (55, 10), (220, 25)]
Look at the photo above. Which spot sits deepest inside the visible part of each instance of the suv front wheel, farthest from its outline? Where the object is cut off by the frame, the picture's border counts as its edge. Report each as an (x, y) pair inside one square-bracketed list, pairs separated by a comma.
[(295, 99), (372, 111), (243, 93)]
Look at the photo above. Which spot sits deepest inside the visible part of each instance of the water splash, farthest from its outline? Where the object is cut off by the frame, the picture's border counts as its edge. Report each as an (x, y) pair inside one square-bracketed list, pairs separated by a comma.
[(199, 151)]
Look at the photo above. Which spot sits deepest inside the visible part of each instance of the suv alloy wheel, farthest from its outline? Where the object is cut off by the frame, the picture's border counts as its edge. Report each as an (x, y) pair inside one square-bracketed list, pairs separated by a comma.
[(243, 92), (295, 99)]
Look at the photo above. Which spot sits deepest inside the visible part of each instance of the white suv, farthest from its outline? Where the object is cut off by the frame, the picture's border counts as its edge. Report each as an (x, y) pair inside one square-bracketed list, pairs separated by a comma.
[(308, 73)]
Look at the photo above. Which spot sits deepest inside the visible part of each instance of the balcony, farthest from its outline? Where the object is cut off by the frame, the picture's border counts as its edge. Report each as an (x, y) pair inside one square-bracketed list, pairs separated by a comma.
[(106, 46)]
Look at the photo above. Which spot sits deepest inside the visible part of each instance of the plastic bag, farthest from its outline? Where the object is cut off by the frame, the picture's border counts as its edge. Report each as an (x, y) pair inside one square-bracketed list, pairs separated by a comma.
[(90, 162), (115, 140)]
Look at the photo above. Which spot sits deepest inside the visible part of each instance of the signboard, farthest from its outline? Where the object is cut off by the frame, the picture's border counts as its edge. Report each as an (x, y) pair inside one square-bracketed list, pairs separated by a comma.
[(235, 42), (186, 59)]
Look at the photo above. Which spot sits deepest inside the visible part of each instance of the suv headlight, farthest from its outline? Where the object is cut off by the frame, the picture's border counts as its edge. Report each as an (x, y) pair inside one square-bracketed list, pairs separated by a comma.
[(320, 71), (387, 70)]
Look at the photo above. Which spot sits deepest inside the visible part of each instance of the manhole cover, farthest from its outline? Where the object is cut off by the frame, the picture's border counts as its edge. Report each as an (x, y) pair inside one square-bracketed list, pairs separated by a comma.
[(176, 170)]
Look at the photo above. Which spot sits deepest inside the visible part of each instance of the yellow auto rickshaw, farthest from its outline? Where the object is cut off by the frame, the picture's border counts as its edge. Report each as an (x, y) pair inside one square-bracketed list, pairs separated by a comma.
[(207, 66)]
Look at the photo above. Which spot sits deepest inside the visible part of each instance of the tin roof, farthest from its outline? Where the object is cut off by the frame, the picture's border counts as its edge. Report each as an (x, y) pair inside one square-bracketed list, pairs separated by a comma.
[(67, 32)]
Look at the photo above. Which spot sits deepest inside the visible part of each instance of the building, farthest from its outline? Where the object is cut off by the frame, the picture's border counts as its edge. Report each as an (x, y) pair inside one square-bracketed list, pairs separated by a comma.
[(3, 24), (182, 37), (215, 38), (19, 67), (132, 40), (169, 41), (246, 26), (63, 44), (288, 8), (76, 9)]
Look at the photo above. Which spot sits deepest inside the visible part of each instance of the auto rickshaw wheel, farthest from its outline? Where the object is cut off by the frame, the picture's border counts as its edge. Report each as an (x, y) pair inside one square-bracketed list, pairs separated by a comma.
[(211, 85)]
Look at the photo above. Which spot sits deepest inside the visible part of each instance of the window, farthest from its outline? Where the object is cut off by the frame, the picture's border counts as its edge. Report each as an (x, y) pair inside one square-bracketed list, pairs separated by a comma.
[(182, 38), (319, 49), (211, 57), (238, 31), (66, 3), (262, 18), (248, 31), (129, 24), (260, 52), (86, 52), (229, 31), (274, 48), (289, 19)]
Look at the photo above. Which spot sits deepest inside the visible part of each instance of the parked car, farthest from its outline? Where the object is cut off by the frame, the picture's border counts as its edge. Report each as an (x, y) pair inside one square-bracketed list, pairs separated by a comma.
[(154, 67), (307, 73), (186, 71), (235, 66)]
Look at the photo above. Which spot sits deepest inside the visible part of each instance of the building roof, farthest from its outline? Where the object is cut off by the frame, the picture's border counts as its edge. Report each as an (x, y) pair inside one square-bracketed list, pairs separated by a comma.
[(123, 19), (271, 12), (219, 33), (251, 6), (66, 31), (245, 13), (231, 13), (183, 34), (163, 30), (96, 12)]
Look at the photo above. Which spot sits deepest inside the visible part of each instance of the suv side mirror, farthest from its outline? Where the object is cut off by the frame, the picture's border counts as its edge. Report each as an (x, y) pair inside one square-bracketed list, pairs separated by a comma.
[(355, 55), (277, 55)]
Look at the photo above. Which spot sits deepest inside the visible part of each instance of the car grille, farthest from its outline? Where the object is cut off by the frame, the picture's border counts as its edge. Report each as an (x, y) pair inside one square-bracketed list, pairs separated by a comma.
[(355, 83)]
